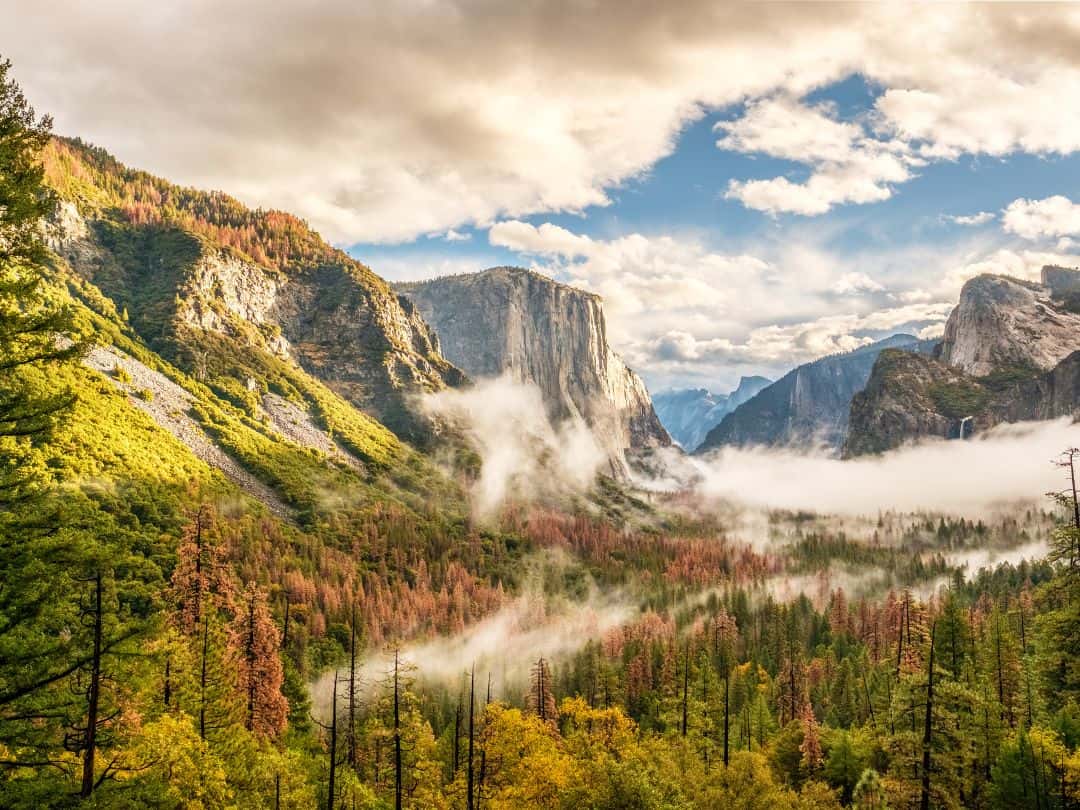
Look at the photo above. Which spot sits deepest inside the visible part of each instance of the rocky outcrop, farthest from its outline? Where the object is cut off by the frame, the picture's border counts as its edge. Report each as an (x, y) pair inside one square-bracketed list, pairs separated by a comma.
[(1011, 353), (807, 406), (689, 414), (1003, 322), (908, 396), (911, 397), (508, 320), (334, 318)]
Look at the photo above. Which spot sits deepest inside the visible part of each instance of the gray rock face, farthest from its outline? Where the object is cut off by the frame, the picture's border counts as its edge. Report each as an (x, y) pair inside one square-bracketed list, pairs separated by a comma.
[(689, 414), (336, 319), (907, 398), (911, 397), (1002, 322), (508, 320), (808, 405)]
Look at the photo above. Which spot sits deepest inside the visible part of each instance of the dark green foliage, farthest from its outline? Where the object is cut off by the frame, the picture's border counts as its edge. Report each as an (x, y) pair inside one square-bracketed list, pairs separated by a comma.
[(958, 399)]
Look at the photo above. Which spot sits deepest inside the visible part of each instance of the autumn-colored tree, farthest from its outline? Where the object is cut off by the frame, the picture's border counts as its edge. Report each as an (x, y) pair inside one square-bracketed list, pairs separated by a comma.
[(202, 579), (255, 641), (541, 697), (810, 747)]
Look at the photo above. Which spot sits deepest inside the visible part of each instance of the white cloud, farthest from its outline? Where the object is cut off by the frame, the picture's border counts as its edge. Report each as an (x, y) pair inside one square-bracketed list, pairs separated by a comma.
[(851, 283), (980, 218), (454, 236), (1050, 217), (850, 166), (1022, 264), (382, 121), (678, 310)]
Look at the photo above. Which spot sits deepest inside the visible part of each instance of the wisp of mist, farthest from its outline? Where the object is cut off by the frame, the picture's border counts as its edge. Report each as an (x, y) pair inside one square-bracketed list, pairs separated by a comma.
[(521, 451)]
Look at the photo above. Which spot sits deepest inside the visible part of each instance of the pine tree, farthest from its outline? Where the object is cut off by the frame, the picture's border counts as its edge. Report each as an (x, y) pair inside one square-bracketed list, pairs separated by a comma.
[(810, 747), (541, 697), (255, 640), (36, 332)]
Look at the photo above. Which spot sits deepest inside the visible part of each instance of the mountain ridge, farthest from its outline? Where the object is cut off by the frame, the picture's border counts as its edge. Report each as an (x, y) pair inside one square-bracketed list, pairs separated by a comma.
[(689, 414), (198, 269), (808, 405), (1011, 353)]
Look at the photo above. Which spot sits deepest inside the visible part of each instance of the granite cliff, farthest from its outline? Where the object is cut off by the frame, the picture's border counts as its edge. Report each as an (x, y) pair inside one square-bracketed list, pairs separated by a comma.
[(808, 405), (509, 320), (1001, 322), (231, 293), (1011, 353)]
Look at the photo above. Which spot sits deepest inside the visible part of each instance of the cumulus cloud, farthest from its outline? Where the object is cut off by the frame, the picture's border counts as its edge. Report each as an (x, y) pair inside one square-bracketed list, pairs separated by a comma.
[(850, 283), (383, 121), (980, 218), (1051, 217), (850, 165), (676, 308)]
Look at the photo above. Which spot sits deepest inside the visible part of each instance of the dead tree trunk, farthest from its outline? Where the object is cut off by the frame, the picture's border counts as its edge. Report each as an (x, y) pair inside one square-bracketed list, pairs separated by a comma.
[(94, 696), (397, 737), (727, 715), (350, 732), (686, 686), (331, 788), (203, 677), (469, 799), (928, 726), (249, 653)]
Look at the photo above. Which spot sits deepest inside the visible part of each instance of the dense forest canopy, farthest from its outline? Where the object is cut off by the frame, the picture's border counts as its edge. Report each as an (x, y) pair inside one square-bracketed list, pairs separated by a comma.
[(166, 641)]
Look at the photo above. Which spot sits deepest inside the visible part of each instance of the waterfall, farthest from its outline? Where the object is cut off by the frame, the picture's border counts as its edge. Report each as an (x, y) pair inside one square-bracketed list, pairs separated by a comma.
[(964, 427)]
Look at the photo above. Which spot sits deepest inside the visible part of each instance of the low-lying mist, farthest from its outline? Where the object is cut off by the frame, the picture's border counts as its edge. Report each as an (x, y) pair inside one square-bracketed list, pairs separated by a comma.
[(525, 456), (504, 645), (972, 478)]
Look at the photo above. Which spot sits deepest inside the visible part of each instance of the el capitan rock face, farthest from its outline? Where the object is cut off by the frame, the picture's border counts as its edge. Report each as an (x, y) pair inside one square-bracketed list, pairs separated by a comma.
[(513, 321)]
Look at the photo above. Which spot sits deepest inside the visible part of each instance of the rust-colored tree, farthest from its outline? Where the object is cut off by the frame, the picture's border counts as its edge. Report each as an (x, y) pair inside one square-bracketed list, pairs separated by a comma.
[(201, 579), (541, 698), (810, 748), (255, 640)]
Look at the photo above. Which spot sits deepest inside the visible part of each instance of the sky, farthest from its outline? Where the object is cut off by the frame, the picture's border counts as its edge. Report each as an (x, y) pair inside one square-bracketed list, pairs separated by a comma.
[(748, 186)]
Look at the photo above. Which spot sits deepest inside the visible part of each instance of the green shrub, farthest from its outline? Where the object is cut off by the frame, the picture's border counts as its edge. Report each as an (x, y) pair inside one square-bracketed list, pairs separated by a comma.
[(120, 374), (958, 399)]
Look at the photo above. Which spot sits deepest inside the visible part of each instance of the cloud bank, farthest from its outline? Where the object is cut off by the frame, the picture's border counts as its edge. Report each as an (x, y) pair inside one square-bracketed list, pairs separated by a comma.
[(1008, 464), (383, 121), (524, 456)]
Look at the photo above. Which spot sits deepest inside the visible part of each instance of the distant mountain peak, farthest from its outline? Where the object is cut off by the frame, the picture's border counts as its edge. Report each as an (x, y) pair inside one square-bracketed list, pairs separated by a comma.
[(809, 405)]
